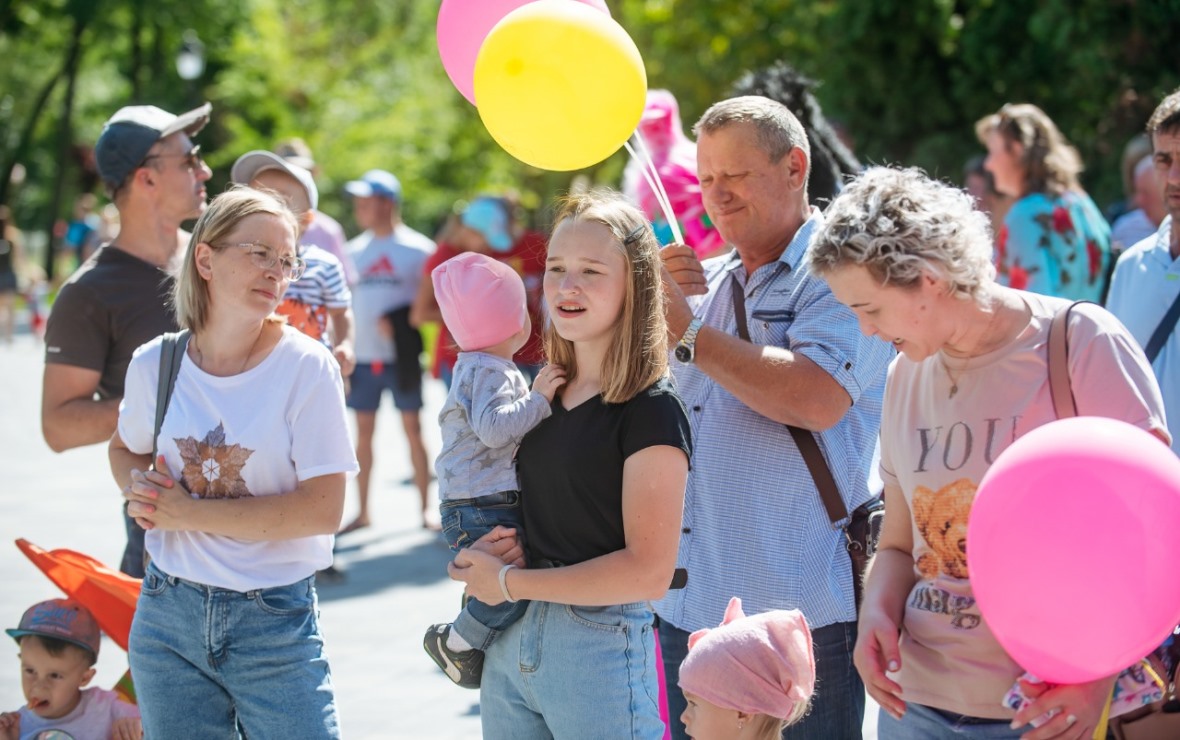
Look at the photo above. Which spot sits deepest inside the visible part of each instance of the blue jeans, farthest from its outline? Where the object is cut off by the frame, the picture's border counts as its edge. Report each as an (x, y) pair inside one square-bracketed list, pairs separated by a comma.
[(207, 660), (838, 707), (573, 672), (464, 521), (926, 723)]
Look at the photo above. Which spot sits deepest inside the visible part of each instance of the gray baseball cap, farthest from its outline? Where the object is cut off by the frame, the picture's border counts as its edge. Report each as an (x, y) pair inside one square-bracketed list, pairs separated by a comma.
[(130, 133), (251, 163)]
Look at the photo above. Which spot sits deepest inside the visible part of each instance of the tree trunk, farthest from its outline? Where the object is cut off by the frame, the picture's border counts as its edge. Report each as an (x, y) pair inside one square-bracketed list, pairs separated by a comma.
[(26, 133), (65, 138), (136, 72)]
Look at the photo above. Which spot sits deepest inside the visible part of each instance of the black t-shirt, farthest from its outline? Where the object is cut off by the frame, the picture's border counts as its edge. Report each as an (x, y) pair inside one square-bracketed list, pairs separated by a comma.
[(114, 303), (571, 470)]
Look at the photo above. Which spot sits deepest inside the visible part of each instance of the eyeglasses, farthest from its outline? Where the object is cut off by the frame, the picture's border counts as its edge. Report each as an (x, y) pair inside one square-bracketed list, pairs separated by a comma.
[(192, 158), (265, 258)]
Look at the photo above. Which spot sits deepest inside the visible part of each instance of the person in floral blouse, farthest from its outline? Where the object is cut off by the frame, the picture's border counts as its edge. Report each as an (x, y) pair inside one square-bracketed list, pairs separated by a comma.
[(1054, 240)]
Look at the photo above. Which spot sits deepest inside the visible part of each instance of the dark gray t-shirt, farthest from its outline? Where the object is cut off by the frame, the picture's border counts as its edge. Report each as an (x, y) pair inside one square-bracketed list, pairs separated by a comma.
[(114, 303)]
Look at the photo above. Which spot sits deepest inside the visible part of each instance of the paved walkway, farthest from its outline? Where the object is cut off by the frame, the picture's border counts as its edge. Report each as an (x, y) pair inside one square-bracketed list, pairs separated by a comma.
[(395, 573)]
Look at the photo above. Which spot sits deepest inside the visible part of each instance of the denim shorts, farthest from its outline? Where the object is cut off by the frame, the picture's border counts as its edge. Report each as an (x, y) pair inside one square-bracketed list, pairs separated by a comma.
[(573, 672), (464, 521), (206, 659), (366, 388)]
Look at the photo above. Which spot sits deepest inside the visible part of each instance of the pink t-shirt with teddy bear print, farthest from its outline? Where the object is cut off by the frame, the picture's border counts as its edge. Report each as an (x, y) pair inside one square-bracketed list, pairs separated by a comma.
[(936, 446)]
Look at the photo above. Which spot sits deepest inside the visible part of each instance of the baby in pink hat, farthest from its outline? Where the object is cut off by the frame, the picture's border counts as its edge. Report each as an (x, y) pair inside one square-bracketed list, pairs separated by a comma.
[(488, 410), (748, 678)]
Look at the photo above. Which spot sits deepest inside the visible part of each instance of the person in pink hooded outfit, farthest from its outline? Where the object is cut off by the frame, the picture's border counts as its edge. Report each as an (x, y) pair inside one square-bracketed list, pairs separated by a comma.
[(748, 678), (489, 408), (675, 158)]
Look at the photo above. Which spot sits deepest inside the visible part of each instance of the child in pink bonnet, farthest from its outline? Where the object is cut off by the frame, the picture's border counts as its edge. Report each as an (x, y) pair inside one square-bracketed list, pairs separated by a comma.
[(748, 678), (489, 408)]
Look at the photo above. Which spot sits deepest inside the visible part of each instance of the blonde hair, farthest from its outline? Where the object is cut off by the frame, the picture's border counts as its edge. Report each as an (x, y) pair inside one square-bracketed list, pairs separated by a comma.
[(190, 299), (638, 354), (766, 727), (1051, 164)]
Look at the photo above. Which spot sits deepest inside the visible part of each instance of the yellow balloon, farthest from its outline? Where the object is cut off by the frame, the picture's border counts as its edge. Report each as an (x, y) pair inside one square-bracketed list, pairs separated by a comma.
[(559, 84)]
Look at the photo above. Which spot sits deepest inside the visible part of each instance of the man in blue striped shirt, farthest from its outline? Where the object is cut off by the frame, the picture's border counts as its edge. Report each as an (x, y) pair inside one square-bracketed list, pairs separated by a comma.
[(754, 524)]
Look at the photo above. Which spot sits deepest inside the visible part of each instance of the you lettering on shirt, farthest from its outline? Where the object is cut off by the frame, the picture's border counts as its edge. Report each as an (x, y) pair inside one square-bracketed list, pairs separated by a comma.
[(953, 447)]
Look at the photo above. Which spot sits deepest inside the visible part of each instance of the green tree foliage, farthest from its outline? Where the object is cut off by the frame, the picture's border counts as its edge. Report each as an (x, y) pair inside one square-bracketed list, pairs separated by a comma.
[(911, 78), (126, 54)]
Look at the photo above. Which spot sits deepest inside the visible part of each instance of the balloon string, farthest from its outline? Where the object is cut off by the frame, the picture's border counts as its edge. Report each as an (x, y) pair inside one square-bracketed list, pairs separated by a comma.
[(651, 164), (649, 176), (662, 193), (648, 169)]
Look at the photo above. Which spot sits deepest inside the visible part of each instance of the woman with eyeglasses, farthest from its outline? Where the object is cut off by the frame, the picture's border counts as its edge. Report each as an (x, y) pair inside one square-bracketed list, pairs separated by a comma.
[(243, 497)]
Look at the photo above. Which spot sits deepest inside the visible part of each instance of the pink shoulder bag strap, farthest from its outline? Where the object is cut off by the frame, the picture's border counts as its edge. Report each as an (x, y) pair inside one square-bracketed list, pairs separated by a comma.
[(1059, 385)]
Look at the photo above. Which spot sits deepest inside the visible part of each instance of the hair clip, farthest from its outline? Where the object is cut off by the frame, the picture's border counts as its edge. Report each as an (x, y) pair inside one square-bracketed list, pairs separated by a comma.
[(634, 236)]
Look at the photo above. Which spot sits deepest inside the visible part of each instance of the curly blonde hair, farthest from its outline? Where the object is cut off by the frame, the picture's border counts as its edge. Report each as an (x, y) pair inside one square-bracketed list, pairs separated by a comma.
[(898, 224)]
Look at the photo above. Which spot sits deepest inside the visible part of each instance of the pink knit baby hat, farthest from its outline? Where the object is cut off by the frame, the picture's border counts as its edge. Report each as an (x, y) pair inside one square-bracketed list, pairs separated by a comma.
[(758, 665), (482, 300)]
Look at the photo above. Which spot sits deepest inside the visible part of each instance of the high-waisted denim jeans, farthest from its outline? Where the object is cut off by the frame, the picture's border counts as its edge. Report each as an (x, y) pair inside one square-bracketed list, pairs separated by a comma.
[(205, 659), (573, 672)]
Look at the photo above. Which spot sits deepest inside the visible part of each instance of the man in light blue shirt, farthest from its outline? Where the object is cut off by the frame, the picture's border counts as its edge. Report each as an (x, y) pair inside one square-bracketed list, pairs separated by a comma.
[(1146, 280), (754, 523)]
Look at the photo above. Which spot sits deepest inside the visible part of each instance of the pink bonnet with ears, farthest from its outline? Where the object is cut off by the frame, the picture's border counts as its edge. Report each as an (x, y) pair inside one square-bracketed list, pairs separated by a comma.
[(761, 664)]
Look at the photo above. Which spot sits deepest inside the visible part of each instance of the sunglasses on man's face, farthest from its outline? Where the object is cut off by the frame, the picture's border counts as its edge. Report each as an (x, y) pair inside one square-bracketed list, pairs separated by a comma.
[(190, 159)]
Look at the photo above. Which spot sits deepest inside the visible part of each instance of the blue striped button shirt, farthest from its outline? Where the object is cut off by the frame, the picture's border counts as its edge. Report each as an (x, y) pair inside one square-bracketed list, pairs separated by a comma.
[(754, 525)]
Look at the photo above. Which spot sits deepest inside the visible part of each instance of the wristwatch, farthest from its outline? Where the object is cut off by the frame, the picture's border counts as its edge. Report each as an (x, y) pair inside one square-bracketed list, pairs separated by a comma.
[(686, 349)]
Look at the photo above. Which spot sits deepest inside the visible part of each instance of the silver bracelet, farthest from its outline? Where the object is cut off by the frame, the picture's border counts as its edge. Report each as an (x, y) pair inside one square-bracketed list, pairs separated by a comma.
[(504, 583)]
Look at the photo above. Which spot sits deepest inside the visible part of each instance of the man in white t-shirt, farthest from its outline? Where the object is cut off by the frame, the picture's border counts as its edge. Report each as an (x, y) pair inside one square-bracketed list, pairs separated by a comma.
[(389, 258)]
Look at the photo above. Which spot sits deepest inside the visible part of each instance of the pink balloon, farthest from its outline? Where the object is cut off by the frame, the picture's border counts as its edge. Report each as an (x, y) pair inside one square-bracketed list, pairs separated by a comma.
[(1072, 548), (464, 24)]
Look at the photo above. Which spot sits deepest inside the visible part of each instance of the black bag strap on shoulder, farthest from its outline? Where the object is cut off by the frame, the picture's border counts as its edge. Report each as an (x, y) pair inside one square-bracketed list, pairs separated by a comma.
[(812, 455), (171, 355), (1160, 336)]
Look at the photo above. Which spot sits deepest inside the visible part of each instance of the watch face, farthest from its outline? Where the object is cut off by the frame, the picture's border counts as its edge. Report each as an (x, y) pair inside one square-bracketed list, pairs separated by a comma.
[(683, 353)]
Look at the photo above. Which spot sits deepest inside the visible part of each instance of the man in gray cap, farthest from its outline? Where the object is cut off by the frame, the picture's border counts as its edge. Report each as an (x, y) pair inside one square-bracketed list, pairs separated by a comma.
[(389, 257), (120, 298)]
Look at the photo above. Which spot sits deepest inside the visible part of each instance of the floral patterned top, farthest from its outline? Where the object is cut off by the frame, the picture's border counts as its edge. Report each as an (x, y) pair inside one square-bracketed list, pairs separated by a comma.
[(1055, 246)]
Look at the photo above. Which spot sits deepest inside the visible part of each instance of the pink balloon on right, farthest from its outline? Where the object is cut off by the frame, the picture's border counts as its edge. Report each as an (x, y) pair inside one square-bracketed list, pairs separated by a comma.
[(1072, 548)]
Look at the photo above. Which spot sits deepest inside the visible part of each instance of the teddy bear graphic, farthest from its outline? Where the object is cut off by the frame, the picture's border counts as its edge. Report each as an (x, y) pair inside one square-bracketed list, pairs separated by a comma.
[(941, 517)]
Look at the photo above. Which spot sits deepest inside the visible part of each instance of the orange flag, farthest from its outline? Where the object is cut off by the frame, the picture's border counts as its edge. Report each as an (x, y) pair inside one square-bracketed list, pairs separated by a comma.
[(108, 594)]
